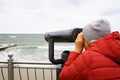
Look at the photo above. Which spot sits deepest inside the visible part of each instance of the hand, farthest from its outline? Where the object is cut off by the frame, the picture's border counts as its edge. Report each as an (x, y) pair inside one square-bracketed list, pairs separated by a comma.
[(79, 42)]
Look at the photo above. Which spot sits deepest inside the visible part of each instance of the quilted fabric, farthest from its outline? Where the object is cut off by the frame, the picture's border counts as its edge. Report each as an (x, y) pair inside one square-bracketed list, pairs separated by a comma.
[(101, 61)]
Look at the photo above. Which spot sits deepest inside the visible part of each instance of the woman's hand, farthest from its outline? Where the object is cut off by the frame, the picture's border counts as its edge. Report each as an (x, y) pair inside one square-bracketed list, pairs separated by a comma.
[(79, 42)]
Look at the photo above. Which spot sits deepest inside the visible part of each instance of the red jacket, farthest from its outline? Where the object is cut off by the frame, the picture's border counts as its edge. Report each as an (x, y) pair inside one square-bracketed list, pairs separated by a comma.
[(101, 61)]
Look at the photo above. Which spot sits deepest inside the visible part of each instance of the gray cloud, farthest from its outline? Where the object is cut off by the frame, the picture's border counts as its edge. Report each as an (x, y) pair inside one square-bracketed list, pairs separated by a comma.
[(39, 16)]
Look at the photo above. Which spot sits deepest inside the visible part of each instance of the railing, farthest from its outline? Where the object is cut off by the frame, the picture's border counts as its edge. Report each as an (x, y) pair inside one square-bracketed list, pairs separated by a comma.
[(12, 70)]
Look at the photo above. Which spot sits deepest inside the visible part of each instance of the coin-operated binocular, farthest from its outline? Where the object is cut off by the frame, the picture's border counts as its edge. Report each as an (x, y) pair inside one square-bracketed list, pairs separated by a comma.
[(60, 36)]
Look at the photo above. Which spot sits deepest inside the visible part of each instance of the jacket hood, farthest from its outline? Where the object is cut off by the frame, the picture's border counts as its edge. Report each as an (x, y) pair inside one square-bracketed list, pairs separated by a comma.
[(109, 46)]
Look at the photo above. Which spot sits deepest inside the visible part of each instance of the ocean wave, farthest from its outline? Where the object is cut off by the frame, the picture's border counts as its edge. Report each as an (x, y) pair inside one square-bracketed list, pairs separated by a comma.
[(12, 36), (42, 47), (64, 47), (56, 47), (32, 47), (27, 47)]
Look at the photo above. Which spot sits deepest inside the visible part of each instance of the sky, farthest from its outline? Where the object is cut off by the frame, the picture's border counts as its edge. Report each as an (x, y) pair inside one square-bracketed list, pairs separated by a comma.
[(41, 16)]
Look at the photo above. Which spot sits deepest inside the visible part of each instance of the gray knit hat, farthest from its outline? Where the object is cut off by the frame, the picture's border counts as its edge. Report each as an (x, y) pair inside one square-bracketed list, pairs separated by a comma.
[(96, 30)]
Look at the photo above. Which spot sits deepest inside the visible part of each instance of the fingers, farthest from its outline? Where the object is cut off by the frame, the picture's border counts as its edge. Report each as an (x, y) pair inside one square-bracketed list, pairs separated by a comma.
[(80, 37), (79, 42)]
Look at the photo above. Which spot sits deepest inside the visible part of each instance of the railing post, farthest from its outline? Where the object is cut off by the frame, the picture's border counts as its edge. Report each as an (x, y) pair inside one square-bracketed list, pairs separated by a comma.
[(10, 67)]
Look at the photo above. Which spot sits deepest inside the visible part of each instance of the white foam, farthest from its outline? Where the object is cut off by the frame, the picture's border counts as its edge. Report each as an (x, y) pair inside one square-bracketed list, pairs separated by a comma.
[(42, 47), (60, 47), (12, 36)]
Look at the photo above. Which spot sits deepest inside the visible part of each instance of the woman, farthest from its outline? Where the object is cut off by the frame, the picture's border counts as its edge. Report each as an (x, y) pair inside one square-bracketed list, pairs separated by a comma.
[(101, 58)]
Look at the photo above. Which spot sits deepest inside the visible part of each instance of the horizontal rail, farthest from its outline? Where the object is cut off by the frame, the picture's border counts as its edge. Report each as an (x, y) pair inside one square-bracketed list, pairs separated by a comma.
[(23, 62)]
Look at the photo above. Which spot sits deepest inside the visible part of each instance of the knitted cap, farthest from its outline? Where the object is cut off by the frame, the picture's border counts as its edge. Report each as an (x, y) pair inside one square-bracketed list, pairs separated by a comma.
[(96, 30)]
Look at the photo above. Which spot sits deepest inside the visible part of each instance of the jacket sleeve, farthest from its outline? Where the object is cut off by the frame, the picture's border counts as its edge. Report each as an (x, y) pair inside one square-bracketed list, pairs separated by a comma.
[(73, 67)]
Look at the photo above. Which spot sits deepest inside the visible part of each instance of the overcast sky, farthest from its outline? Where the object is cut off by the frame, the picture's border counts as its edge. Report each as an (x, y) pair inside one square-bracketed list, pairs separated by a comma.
[(41, 16)]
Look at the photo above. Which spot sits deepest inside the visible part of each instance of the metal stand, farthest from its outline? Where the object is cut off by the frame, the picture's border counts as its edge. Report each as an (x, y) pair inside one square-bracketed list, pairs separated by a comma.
[(10, 68)]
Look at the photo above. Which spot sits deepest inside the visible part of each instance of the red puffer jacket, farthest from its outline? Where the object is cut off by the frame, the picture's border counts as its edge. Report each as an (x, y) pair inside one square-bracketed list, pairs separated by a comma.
[(101, 61)]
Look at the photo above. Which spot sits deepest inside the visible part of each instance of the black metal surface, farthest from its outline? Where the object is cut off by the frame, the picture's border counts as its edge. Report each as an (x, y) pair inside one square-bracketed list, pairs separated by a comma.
[(51, 53), (63, 35), (60, 36)]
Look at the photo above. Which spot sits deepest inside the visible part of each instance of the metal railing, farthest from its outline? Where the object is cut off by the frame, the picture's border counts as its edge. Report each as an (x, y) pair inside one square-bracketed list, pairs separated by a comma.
[(11, 70)]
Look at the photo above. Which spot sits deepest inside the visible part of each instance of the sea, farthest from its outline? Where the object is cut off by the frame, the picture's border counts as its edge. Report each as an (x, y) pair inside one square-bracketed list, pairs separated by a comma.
[(30, 47)]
